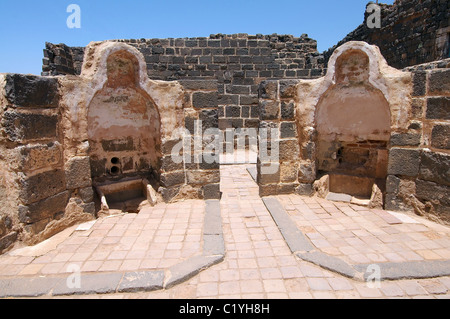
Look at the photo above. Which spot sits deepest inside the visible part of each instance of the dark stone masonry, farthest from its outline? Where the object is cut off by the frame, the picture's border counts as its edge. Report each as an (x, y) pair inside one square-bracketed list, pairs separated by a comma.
[(412, 32), (238, 62)]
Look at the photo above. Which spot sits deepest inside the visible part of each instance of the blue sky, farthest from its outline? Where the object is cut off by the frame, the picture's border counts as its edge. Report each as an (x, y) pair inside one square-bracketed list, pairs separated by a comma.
[(27, 24)]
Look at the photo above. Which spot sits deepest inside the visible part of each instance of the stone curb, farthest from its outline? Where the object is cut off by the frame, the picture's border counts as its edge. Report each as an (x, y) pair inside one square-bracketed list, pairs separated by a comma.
[(105, 283), (253, 173), (295, 239), (302, 248)]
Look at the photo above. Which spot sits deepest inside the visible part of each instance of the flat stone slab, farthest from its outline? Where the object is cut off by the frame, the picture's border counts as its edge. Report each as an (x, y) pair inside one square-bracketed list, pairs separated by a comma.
[(27, 287), (189, 268), (295, 239), (387, 217), (329, 262), (409, 270), (253, 172), (337, 197), (213, 220), (89, 284), (403, 218), (213, 245), (141, 281), (86, 226)]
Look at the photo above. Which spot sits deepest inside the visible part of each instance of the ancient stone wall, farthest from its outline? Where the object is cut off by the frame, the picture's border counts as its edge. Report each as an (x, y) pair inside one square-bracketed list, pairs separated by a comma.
[(319, 133), (37, 185), (412, 32), (64, 139), (237, 62), (419, 161)]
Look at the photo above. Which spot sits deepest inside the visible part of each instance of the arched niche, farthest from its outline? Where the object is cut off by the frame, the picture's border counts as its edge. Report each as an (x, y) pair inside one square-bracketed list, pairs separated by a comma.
[(124, 126), (353, 125)]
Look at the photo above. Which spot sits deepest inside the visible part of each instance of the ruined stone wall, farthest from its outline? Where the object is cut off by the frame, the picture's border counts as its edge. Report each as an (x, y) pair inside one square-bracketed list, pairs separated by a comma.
[(237, 62), (419, 162), (61, 138), (411, 169), (37, 186), (412, 32)]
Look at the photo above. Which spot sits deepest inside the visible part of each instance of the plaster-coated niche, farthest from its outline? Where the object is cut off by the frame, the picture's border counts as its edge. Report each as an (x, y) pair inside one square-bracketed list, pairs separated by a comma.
[(123, 125), (353, 125)]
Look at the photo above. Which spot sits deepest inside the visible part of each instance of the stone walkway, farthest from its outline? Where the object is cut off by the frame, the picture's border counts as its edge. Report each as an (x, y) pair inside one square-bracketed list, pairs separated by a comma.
[(258, 262)]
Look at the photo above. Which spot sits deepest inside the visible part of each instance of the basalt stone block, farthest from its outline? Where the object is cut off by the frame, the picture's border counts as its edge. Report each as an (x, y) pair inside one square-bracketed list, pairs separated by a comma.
[(78, 172), (205, 99), (252, 123), (287, 188), (287, 110), (305, 189), (209, 118), (41, 186), (212, 191), (268, 190), (214, 165), (228, 99), (269, 110), (404, 162), (288, 129), (98, 167), (233, 111), (433, 192), (268, 90), (86, 194), (307, 173), (440, 137), (435, 167), (7, 241), (438, 108), (169, 145), (31, 91), (171, 179), (202, 177), (249, 100), (419, 83), (392, 202), (405, 139), (189, 123), (168, 165), (439, 82), (47, 208), (254, 111), (19, 127), (199, 84), (269, 173), (168, 193), (392, 184), (288, 89)]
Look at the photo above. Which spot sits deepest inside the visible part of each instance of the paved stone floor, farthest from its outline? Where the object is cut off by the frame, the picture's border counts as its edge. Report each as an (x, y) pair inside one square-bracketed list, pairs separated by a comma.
[(258, 262)]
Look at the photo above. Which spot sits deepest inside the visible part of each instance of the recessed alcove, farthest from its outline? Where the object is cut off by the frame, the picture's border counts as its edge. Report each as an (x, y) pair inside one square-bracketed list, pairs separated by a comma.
[(353, 129)]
